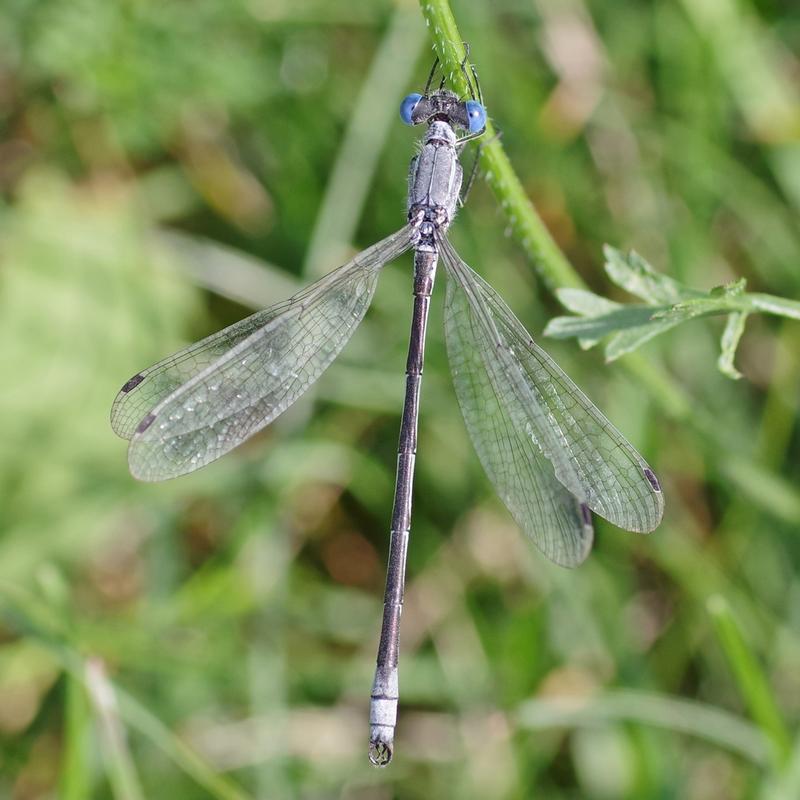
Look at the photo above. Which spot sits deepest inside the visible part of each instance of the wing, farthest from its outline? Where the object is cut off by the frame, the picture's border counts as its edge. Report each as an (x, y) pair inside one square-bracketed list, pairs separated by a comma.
[(587, 456), (557, 522), (193, 407)]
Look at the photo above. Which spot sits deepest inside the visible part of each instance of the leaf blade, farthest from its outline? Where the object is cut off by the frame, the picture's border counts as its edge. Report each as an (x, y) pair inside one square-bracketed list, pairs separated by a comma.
[(734, 328)]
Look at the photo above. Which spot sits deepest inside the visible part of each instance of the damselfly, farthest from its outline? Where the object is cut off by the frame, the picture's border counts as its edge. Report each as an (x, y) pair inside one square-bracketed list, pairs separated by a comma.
[(551, 455)]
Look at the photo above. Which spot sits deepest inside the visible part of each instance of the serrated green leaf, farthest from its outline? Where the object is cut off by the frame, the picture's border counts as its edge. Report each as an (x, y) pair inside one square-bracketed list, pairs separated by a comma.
[(631, 272), (628, 340), (734, 328), (600, 326), (585, 303)]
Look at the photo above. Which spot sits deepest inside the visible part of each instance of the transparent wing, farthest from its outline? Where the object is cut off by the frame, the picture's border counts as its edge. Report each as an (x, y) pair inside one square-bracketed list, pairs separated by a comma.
[(193, 407), (586, 454), (558, 523)]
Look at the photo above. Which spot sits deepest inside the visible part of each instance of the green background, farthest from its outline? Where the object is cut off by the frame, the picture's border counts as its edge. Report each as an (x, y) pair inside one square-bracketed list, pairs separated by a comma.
[(167, 167)]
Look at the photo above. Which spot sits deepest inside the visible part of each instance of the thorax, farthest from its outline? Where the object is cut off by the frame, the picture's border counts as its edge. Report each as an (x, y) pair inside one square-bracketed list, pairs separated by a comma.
[(434, 181)]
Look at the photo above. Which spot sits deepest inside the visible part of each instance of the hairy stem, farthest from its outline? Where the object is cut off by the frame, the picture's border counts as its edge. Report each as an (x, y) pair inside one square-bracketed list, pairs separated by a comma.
[(524, 222)]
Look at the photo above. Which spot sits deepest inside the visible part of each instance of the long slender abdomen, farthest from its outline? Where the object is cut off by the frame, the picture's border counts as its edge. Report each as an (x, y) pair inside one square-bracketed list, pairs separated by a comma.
[(385, 687)]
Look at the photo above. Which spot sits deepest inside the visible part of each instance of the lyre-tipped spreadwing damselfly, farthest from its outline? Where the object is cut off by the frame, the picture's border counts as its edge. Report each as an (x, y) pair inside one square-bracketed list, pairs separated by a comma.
[(550, 453)]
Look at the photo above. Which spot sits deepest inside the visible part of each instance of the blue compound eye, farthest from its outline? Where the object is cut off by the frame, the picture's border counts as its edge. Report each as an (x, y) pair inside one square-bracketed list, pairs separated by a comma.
[(407, 107), (476, 114)]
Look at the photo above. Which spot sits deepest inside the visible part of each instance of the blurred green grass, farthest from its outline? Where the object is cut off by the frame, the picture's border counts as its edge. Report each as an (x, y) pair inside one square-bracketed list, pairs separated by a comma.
[(215, 636)]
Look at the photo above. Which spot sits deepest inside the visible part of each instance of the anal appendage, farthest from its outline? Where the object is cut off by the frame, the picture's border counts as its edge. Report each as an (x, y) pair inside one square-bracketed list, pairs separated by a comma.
[(383, 716)]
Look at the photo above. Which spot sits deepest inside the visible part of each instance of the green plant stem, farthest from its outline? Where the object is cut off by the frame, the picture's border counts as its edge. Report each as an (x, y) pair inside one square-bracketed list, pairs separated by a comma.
[(524, 222), (745, 303), (770, 304)]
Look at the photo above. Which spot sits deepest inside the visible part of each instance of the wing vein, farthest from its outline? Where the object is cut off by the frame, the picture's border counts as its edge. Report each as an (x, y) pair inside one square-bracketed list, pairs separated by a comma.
[(583, 451)]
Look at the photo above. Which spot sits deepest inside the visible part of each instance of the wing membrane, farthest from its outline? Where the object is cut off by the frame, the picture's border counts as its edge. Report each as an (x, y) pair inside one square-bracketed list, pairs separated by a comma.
[(586, 454), (522, 476), (148, 388), (193, 407)]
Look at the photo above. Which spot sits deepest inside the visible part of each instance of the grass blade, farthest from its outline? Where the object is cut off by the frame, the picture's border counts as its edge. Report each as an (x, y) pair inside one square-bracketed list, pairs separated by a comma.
[(649, 708), (122, 775), (753, 684), (75, 778)]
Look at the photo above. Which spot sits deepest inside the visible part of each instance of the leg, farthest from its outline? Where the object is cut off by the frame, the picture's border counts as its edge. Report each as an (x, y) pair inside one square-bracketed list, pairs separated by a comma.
[(430, 77), (473, 173), (463, 67)]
